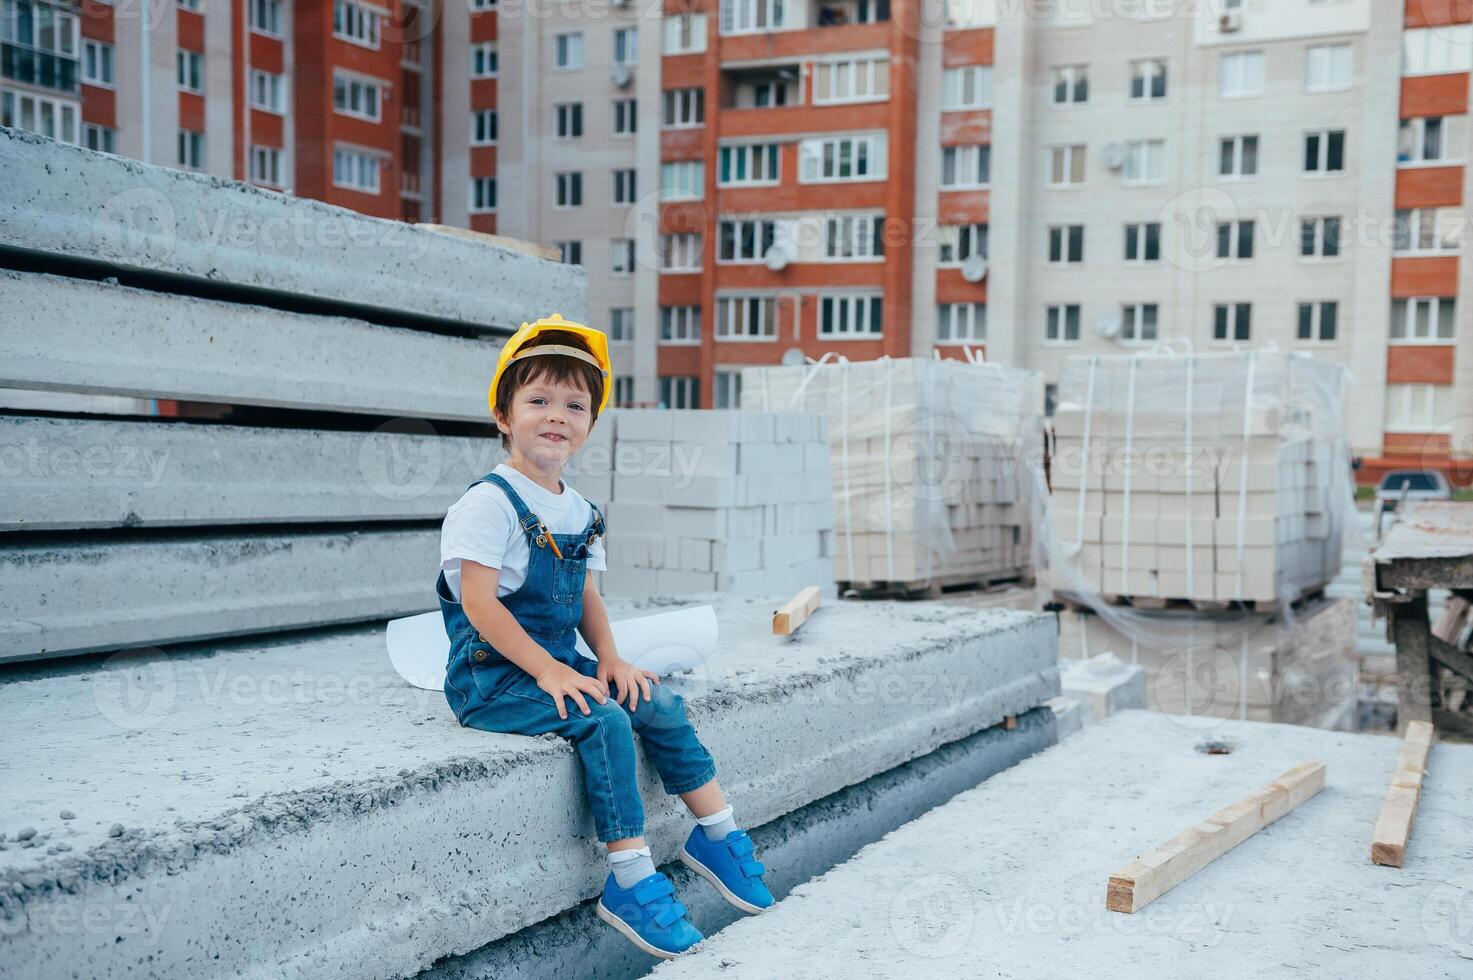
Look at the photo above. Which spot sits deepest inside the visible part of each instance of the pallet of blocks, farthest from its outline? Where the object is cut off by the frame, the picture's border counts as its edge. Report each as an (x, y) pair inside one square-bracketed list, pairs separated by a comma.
[(930, 466), (1203, 479), (1249, 666), (711, 500)]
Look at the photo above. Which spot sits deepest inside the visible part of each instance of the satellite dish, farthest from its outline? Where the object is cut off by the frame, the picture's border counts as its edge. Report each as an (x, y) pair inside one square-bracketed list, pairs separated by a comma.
[(1114, 155), (1108, 324), (792, 356), (974, 269), (777, 258), (622, 76)]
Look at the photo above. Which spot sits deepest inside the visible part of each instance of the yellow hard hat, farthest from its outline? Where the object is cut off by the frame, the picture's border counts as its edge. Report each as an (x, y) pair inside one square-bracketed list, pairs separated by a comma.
[(597, 340)]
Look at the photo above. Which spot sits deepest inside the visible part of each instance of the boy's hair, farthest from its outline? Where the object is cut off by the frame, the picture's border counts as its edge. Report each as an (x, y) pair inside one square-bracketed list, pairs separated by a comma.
[(563, 370)]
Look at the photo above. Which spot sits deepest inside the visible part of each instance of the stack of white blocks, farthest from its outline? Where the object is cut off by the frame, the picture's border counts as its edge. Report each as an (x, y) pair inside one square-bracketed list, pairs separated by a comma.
[(697, 501)]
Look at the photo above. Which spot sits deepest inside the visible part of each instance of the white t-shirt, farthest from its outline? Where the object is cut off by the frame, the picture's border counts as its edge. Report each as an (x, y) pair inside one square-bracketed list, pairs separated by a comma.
[(482, 526)]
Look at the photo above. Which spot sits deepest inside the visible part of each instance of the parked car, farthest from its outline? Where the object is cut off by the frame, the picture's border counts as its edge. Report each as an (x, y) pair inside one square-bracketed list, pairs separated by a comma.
[(1411, 485)]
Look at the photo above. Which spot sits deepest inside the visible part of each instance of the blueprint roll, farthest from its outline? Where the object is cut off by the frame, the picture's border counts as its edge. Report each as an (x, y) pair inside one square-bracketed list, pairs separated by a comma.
[(665, 643)]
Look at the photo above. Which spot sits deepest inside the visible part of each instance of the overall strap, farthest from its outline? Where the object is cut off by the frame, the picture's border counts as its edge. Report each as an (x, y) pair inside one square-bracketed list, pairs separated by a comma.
[(595, 524), (529, 520)]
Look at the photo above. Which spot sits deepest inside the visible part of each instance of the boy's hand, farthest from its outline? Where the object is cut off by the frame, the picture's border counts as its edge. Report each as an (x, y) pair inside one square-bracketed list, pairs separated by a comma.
[(627, 680), (562, 681)]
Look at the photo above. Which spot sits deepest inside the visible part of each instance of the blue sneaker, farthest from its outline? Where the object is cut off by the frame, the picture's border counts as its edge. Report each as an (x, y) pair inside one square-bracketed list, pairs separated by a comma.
[(729, 865), (649, 916)]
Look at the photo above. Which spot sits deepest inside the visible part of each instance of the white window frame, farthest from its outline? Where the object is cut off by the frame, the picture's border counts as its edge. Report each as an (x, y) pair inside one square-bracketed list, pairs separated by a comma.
[(683, 108), (102, 139), (1429, 395), (189, 70), (479, 190), (851, 80), (1328, 68), (265, 164), (747, 237), (1322, 170), (680, 390), (1317, 309), (65, 116), (567, 51), (1239, 231), (969, 159), (852, 238), (1061, 160), (746, 318), (955, 244), (754, 16), (1414, 131), (485, 59), (728, 393), (759, 164), (820, 158), (1146, 71), (1412, 320), (624, 116), (268, 92), (682, 180), (680, 252), (264, 11), (1138, 318), (1442, 50), (680, 326), (1322, 237), (971, 318), (966, 87), (485, 127), (1235, 312), (1139, 157), (1240, 74), (621, 323), (1072, 78), (567, 120), (851, 316), (359, 86), (628, 37), (625, 182), (98, 65), (361, 160), (1448, 228), (570, 251), (1142, 240), (683, 33), (1238, 158), (191, 149), (1056, 323), (621, 257), (357, 23), (567, 190), (477, 6), (1063, 235)]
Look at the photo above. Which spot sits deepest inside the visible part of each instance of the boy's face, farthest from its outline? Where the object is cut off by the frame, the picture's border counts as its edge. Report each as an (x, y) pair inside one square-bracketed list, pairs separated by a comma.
[(549, 422)]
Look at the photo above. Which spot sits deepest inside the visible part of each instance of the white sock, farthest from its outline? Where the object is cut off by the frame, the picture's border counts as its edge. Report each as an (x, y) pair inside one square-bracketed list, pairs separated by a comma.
[(718, 824), (631, 865)]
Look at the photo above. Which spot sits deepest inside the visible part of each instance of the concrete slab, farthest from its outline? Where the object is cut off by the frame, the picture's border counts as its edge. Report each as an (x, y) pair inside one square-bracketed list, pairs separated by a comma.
[(256, 813), (76, 335), (81, 595), (63, 201), (1008, 880), (71, 474)]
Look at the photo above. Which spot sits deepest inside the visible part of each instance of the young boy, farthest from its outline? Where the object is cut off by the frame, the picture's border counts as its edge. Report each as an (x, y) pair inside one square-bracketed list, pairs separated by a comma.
[(515, 552)]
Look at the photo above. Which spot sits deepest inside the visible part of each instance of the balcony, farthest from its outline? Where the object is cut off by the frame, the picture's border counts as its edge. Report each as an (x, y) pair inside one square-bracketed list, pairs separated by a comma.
[(768, 87), (838, 13), (32, 66)]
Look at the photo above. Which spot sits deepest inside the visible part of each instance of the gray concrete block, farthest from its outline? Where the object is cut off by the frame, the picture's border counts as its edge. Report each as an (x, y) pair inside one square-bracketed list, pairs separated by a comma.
[(104, 594), (82, 336), (62, 200), (795, 847), (1008, 879), (100, 473), (295, 810)]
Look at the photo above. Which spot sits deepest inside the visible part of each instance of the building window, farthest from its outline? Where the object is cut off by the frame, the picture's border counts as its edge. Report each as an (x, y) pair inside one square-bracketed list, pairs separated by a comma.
[(355, 23), (680, 324), (1437, 50), (621, 323), (623, 391), (266, 17), (568, 51), (728, 388), (961, 323), (1319, 237), (858, 316), (1066, 243), (1232, 321), (268, 91), (1430, 320), (1145, 162), (682, 180), (1324, 151), (823, 160), (266, 165), (191, 149), (1240, 74), (966, 166), (1138, 323), (1235, 239), (624, 185), (749, 165), (960, 242), (753, 16), (744, 239), (621, 256), (684, 108), (104, 139), (680, 252), (484, 124), (1428, 230), (483, 194), (479, 5), (569, 119), (680, 391), (625, 121), (97, 63), (626, 45), (569, 189), (1327, 68), (1317, 321), (1066, 166), (1420, 140), (356, 97), (355, 169), (866, 80), (1143, 242), (1070, 84), (746, 318), (485, 60), (1418, 408), (1147, 80), (968, 87), (190, 69), (684, 34), (571, 253), (1061, 324), (37, 114), (854, 237), (1238, 156)]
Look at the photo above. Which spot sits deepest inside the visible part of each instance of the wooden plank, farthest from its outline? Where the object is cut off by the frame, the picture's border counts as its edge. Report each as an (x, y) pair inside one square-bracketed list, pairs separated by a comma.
[(795, 612), (1147, 878), (1454, 615), (1394, 825), (1450, 656)]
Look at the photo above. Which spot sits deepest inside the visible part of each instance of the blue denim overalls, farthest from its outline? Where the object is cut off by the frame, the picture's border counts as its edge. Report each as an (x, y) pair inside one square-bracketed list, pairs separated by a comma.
[(489, 692)]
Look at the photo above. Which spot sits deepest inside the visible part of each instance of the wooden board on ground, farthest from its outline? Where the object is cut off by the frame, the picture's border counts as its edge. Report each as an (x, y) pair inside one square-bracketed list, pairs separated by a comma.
[(795, 612), (1394, 825), (1147, 878)]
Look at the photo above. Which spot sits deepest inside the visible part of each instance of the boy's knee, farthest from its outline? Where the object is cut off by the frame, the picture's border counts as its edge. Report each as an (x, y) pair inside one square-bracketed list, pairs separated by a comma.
[(607, 717)]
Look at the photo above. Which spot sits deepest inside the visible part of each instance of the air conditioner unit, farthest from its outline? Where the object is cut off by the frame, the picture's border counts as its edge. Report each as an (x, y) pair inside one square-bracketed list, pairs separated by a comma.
[(1114, 155), (1229, 22), (621, 76)]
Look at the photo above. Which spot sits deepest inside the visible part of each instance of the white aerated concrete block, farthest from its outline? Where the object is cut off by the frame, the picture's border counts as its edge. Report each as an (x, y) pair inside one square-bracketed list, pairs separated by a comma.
[(1104, 684)]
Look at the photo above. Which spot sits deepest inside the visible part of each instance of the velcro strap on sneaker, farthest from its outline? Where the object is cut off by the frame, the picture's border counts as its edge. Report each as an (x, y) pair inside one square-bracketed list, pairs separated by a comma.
[(753, 869), (741, 847), (668, 916), (652, 889)]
